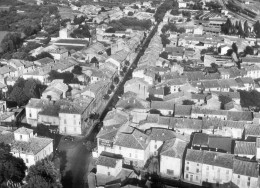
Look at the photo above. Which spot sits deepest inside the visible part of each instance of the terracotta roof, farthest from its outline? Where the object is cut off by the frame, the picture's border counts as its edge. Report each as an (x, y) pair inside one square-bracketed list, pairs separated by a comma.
[(245, 168), (161, 134), (108, 132), (182, 110), (252, 130), (162, 105), (218, 159), (135, 140), (33, 146), (174, 148), (194, 155), (23, 130), (240, 115), (245, 148), (108, 159)]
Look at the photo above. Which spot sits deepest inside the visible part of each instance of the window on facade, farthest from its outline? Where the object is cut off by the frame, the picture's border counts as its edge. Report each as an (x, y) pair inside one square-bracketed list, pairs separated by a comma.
[(65, 121), (187, 176), (248, 178), (248, 183), (197, 178), (119, 147), (170, 172), (27, 161), (187, 168), (197, 164), (155, 146), (130, 155), (108, 173), (197, 170), (21, 137), (30, 114)]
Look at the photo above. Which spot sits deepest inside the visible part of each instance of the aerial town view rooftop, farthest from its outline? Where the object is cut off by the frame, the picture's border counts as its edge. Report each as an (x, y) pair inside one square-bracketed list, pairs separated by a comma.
[(129, 93)]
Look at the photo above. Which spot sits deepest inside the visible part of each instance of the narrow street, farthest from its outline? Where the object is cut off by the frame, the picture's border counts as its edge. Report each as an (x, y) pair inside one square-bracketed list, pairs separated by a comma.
[(78, 158)]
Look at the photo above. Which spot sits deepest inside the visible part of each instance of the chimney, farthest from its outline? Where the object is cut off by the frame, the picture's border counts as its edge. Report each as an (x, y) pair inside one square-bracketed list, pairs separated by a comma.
[(215, 157), (141, 138), (216, 149)]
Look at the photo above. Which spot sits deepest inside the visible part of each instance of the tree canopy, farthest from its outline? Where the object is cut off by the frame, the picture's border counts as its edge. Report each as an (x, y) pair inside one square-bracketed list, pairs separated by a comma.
[(82, 31), (43, 174), (11, 168), (77, 70), (67, 77), (24, 90), (130, 22)]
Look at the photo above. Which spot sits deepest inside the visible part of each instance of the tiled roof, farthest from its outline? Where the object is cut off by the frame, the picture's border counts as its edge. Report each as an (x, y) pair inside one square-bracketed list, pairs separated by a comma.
[(194, 155), (200, 139), (252, 130), (156, 91), (162, 105), (245, 148), (108, 159), (174, 148), (182, 110), (240, 115), (23, 130), (37, 103), (245, 168), (76, 106), (108, 132), (133, 103), (134, 81), (220, 143), (180, 123), (232, 95), (33, 146), (161, 134), (218, 159), (135, 140)]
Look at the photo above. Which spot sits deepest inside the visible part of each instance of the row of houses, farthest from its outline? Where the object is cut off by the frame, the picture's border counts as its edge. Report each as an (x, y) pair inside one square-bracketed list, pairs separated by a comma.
[(207, 159)]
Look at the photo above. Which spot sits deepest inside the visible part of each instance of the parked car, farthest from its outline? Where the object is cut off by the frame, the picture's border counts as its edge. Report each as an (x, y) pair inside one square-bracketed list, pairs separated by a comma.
[(69, 138)]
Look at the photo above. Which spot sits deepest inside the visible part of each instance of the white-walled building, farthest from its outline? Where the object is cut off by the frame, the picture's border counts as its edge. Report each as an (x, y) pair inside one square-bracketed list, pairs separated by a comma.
[(27, 146)]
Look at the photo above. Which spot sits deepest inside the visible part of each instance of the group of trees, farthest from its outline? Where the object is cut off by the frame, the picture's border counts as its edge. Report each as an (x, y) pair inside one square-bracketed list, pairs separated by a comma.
[(249, 98), (24, 90), (163, 8), (236, 29), (67, 77), (172, 27), (30, 21), (11, 42), (82, 31), (257, 29), (130, 22), (43, 174), (11, 168)]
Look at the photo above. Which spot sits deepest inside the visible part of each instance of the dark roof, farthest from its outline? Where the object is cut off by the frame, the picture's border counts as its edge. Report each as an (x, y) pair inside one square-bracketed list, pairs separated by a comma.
[(245, 168), (200, 139), (221, 143), (218, 159), (194, 155), (108, 159)]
